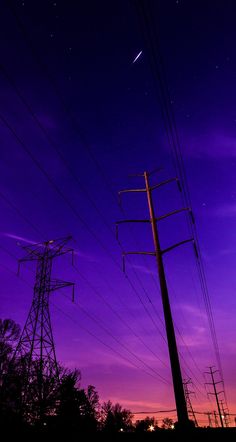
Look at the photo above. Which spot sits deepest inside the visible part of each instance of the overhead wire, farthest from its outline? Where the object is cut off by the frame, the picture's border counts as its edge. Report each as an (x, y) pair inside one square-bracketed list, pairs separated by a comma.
[(68, 167), (38, 164), (76, 213), (83, 277), (173, 139), (100, 324), (70, 115), (67, 109)]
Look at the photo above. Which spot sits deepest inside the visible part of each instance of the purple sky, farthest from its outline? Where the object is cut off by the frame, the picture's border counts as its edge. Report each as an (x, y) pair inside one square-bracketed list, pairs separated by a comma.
[(88, 50)]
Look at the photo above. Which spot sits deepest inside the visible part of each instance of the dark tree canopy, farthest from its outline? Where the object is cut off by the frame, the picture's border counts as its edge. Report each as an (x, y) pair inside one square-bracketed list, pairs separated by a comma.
[(115, 418)]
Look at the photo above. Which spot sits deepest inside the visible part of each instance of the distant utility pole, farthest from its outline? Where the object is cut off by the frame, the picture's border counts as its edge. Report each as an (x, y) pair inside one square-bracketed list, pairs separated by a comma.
[(215, 419), (188, 393), (158, 253), (215, 393), (36, 344), (225, 413), (209, 419)]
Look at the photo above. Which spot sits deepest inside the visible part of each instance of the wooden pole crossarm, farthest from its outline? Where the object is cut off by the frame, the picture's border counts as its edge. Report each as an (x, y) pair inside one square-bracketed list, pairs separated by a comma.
[(163, 183), (181, 405), (177, 245), (139, 253), (132, 175), (131, 190), (128, 191), (133, 221), (174, 213), (129, 221), (135, 253)]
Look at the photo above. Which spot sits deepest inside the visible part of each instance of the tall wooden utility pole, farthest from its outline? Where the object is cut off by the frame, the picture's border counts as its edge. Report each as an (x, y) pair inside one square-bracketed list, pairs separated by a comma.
[(215, 393), (173, 352), (182, 413)]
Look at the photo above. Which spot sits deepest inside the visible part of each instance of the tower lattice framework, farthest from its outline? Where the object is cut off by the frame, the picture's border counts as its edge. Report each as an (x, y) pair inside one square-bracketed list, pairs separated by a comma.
[(36, 345)]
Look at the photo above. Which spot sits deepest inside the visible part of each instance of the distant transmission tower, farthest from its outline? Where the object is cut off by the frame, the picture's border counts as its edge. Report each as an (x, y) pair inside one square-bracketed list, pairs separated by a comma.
[(188, 393), (215, 419), (215, 393), (225, 413), (209, 418), (36, 345)]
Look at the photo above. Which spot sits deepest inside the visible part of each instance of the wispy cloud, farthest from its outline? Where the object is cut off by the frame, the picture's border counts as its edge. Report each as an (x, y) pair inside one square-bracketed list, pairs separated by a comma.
[(86, 256), (191, 310), (211, 144), (141, 268), (196, 338), (225, 210), (20, 239), (137, 403), (17, 238)]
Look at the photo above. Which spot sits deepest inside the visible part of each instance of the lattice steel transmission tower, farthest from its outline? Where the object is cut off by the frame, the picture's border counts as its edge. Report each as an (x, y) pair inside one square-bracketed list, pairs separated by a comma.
[(36, 345), (188, 393)]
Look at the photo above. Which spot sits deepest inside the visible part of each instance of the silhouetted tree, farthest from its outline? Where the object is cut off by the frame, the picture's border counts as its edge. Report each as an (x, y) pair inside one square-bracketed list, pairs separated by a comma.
[(114, 418), (78, 408), (147, 424), (167, 423), (10, 376), (9, 334), (45, 402)]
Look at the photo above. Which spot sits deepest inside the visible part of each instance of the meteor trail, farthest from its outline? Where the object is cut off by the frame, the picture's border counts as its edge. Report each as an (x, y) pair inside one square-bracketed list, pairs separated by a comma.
[(137, 57)]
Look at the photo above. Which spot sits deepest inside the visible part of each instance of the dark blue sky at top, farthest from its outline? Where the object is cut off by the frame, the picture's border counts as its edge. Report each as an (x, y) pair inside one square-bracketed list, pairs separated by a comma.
[(88, 49)]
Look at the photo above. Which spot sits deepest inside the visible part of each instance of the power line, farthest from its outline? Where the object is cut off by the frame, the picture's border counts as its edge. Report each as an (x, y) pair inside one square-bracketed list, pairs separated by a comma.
[(119, 316), (67, 110), (152, 42), (25, 148), (158, 253), (96, 292), (104, 343), (62, 158), (55, 147), (215, 392), (173, 410), (74, 210), (66, 107), (102, 326), (157, 376), (100, 323)]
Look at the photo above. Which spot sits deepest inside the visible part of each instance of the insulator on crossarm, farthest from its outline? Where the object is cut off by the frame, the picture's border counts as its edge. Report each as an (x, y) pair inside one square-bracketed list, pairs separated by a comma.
[(195, 249), (123, 264), (179, 185), (192, 216)]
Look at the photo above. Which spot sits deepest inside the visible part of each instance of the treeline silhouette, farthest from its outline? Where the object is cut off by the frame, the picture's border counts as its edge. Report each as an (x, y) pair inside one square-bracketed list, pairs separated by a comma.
[(62, 406), (40, 408)]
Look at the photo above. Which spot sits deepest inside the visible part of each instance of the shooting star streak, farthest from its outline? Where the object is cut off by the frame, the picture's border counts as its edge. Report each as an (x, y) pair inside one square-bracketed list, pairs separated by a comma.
[(137, 57)]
